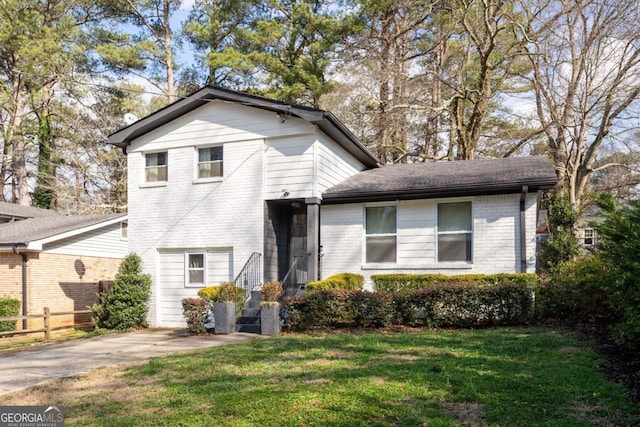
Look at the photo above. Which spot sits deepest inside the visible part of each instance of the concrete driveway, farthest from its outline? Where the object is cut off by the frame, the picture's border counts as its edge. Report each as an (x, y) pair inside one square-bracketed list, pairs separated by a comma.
[(27, 368)]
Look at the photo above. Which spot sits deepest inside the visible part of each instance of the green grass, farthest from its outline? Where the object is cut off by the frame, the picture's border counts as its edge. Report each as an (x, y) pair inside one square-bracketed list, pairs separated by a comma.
[(505, 377)]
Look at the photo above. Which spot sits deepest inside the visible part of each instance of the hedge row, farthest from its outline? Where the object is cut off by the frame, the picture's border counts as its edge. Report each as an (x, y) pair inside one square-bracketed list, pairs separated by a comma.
[(409, 282), (440, 305), (349, 281)]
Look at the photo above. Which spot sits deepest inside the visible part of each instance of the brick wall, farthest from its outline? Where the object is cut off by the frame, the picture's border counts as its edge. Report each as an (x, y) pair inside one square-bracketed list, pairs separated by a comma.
[(60, 282)]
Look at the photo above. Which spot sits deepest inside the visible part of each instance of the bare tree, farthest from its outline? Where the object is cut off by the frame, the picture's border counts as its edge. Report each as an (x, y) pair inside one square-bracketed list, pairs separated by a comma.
[(586, 78)]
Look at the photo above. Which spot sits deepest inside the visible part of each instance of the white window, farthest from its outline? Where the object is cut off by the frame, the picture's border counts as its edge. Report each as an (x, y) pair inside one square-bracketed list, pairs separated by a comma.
[(209, 162), (195, 273), (589, 236), (155, 169), (380, 230), (124, 230), (454, 232)]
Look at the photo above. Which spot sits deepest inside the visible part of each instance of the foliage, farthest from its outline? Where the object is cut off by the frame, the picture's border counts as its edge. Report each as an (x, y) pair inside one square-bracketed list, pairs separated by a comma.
[(271, 291), (619, 248), (195, 311), (9, 307), (576, 289), (209, 293), (408, 282), (229, 292), (563, 244), (349, 281), (127, 303), (444, 305)]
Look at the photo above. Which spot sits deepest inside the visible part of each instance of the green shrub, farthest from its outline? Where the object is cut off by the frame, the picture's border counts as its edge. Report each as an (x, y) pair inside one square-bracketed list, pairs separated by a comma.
[(408, 282), (9, 307), (575, 290), (195, 311), (441, 305), (619, 248), (127, 303), (563, 244), (348, 281)]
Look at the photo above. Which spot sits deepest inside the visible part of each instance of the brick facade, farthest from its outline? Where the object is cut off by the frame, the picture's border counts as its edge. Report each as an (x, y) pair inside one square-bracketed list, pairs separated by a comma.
[(60, 282)]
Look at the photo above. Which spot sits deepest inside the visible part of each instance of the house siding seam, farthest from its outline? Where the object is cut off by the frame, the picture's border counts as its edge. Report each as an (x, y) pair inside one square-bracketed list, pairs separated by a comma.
[(496, 248)]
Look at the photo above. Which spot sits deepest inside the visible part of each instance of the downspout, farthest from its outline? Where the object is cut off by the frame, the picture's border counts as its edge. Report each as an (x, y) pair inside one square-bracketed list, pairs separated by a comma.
[(25, 299), (523, 230)]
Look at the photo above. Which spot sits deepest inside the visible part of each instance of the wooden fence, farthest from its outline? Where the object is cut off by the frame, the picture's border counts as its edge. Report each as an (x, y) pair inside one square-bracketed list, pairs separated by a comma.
[(47, 329)]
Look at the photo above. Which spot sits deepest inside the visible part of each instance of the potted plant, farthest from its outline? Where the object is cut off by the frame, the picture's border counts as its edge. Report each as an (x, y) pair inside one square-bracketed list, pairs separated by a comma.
[(270, 308), (224, 309)]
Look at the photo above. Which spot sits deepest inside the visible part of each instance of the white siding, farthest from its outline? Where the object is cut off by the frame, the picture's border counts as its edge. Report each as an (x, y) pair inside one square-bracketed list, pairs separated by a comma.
[(289, 165), (171, 287), (102, 242), (333, 163), (496, 237), (187, 215)]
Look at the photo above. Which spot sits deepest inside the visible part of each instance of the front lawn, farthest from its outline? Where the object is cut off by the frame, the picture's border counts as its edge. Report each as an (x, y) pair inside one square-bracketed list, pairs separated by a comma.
[(506, 377)]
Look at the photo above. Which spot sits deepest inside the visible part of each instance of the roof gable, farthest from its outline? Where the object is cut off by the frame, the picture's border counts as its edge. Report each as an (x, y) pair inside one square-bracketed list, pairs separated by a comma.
[(15, 211), (445, 179), (46, 229), (324, 120)]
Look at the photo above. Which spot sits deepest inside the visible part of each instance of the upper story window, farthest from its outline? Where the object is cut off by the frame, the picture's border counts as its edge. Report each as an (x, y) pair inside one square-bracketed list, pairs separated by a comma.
[(455, 232), (155, 169), (380, 230), (209, 162), (124, 230)]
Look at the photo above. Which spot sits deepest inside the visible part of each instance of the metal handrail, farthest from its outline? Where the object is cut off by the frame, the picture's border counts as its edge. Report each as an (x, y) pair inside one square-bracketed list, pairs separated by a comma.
[(250, 277)]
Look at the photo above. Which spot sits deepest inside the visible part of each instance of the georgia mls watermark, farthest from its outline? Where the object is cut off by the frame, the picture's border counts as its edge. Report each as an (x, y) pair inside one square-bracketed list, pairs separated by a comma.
[(31, 416)]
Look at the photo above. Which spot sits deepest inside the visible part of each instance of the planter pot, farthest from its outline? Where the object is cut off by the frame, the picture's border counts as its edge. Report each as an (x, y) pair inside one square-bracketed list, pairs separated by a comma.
[(224, 314), (270, 318)]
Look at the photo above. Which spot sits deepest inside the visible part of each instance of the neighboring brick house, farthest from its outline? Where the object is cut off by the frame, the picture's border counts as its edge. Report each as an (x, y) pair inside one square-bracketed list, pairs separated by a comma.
[(57, 259), (220, 177)]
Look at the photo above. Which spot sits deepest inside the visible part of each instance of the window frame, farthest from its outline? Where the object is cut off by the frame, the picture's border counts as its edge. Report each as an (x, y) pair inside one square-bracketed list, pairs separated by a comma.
[(124, 230), (469, 232), (197, 177), (366, 235), (188, 270), (146, 168), (593, 236)]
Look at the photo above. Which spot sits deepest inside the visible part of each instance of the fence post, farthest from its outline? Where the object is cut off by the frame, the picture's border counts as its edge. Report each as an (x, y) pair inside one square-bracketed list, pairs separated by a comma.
[(47, 324)]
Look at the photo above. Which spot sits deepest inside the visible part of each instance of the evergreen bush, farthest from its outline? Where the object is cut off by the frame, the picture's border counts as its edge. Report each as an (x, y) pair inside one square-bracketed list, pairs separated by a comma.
[(127, 303), (9, 307)]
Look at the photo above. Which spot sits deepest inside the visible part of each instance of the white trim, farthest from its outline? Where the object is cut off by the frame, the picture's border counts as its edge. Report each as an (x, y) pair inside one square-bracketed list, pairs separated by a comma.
[(187, 269), (196, 169), (143, 181)]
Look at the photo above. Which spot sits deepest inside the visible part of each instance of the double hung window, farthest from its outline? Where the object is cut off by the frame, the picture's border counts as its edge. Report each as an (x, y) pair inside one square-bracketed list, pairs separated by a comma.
[(381, 237), (209, 162), (155, 167), (454, 232)]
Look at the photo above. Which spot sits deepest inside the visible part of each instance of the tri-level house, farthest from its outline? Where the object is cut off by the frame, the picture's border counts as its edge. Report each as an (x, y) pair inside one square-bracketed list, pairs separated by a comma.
[(225, 185)]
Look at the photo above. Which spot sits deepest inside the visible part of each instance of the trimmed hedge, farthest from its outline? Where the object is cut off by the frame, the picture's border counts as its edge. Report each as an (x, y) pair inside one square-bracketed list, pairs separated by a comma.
[(9, 307), (348, 281), (225, 292), (441, 305), (408, 282)]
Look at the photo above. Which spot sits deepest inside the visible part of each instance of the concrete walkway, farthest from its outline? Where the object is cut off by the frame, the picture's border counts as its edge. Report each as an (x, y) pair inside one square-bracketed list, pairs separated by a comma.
[(27, 368)]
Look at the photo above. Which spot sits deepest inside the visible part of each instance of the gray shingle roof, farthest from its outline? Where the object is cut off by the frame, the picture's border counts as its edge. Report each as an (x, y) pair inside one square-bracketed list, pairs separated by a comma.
[(326, 121), (38, 228), (445, 179), (19, 211)]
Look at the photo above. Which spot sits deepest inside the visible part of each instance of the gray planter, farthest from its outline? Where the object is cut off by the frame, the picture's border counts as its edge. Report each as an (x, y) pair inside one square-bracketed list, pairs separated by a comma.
[(270, 319), (224, 314)]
